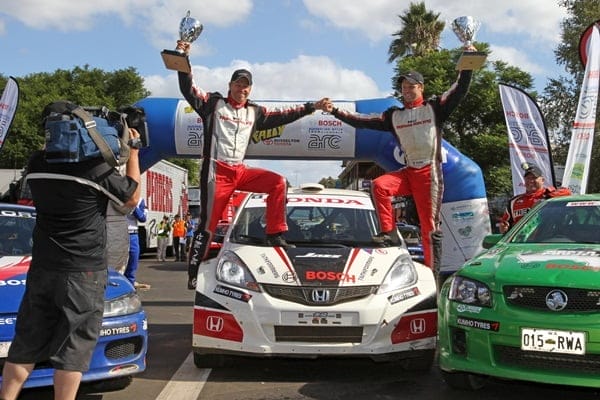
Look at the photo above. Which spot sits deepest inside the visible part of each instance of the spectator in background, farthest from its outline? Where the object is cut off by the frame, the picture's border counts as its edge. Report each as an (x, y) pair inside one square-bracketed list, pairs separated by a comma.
[(535, 191), (162, 238), (190, 228), (179, 238), (138, 214)]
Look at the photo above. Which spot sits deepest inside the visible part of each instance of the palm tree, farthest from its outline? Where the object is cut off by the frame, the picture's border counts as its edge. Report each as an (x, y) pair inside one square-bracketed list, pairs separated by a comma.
[(420, 33)]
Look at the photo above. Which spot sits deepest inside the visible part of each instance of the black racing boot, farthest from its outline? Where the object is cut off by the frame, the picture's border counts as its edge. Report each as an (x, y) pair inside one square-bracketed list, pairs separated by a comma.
[(388, 238), (277, 240), (198, 251)]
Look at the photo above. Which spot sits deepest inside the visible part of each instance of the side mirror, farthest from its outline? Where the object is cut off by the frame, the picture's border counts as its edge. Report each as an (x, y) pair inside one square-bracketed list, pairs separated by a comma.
[(490, 240)]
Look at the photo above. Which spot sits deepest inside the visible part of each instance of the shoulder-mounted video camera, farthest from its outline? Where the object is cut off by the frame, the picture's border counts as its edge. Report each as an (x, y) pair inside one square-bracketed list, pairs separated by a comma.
[(135, 117)]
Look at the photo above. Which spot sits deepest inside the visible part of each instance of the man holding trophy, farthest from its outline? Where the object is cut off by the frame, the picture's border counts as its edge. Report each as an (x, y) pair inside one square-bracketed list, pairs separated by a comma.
[(228, 123), (417, 126)]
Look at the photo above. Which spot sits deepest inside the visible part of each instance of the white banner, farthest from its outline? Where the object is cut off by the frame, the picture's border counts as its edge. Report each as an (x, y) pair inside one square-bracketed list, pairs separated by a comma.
[(527, 136), (8, 107), (580, 150)]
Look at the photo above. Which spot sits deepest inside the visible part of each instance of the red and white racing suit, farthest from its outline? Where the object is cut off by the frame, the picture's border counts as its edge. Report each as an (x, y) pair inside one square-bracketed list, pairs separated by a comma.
[(228, 129), (418, 130), (520, 204)]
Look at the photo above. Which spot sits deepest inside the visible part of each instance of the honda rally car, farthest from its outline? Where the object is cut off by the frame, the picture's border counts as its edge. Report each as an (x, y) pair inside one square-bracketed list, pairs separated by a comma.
[(332, 292), (121, 349)]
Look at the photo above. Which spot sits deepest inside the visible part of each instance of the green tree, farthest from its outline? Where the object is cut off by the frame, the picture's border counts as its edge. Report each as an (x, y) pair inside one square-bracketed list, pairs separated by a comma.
[(420, 33)]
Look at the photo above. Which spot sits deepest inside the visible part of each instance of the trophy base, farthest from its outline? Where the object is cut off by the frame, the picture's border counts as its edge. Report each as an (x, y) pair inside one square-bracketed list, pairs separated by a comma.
[(176, 61), (471, 60)]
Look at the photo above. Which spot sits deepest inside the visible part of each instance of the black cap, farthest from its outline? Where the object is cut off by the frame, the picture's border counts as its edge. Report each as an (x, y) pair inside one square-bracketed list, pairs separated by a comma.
[(412, 76), (241, 73), (532, 169)]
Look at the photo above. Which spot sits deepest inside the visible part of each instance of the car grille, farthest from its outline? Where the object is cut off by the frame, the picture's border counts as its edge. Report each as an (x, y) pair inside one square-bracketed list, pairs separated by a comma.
[(320, 334), (534, 297), (123, 348), (319, 296), (581, 364)]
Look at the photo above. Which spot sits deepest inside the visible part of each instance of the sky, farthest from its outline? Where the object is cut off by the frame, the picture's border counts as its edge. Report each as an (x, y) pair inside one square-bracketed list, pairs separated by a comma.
[(296, 49)]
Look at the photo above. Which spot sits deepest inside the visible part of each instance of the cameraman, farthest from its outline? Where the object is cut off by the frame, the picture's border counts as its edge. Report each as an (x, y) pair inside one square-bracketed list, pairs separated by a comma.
[(61, 312)]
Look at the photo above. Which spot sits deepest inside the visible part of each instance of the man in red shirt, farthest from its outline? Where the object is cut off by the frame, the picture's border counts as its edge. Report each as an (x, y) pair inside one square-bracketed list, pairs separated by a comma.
[(535, 191)]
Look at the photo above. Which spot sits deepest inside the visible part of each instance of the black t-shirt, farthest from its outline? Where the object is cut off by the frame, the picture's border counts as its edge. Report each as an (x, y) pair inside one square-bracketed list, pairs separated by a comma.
[(70, 231)]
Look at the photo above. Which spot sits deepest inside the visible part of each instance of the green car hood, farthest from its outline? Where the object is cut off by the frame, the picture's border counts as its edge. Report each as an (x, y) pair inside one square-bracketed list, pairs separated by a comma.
[(565, 265)]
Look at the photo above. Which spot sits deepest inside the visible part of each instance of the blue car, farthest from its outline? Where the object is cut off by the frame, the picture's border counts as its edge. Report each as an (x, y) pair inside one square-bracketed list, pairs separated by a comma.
[(121, 349), (412, 238)]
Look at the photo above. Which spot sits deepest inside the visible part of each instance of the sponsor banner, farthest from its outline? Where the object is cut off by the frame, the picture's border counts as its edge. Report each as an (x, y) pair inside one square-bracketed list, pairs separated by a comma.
[(464, 225), (527, 136), (8, 106), (318, 135), (580, 150)]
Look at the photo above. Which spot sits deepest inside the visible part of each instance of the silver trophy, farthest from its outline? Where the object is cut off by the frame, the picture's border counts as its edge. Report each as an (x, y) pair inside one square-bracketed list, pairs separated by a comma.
[(189, 30), (465, 29)]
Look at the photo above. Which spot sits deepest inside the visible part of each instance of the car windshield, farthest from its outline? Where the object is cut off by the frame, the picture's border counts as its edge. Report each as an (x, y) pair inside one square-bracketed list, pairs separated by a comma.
[(16, 231), (561, 222), (317, 222)]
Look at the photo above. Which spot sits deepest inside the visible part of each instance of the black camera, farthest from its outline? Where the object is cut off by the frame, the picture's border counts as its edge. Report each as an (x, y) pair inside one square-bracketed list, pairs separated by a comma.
[(134, 116)]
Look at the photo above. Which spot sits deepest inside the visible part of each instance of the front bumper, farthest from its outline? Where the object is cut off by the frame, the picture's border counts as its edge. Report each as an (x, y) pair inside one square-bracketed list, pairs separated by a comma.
[(229, 320), (488, 341), (120, 351)]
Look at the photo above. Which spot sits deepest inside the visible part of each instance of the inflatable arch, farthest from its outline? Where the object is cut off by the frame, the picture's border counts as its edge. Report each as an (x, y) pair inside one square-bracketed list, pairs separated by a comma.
[(176, 131)]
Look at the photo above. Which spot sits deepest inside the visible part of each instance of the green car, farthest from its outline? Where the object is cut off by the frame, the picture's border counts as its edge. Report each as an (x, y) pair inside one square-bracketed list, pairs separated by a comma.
[(528, 308)]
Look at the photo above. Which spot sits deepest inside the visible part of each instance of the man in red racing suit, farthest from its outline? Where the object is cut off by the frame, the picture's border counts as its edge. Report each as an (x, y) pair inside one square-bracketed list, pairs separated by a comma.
[(229, 123), (418, 129), (535, 191)]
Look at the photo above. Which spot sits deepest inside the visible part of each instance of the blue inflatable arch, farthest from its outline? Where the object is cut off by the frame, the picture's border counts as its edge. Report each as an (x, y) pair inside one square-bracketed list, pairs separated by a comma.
[(176, 131)]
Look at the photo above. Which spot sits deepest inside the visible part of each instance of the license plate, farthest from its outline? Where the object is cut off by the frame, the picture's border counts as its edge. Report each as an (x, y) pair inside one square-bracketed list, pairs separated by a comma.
[(551, 341), (319, 318), (4, 349)]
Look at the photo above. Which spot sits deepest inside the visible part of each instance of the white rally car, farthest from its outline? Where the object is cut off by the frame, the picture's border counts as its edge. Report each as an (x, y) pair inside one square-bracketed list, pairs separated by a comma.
[(335, 293)]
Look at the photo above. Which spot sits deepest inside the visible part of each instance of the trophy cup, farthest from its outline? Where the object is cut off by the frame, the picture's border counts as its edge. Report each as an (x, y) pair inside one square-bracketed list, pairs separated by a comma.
[(189, 30), (465, 29)]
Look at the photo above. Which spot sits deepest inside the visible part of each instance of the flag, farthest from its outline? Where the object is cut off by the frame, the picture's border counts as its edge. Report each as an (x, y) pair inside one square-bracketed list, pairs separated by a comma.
[(527, 136), (577, 165), (8, 106)]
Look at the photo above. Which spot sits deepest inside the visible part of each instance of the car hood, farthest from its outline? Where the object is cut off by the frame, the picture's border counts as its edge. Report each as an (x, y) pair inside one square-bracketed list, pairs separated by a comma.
[(556, 265), (319, 266)]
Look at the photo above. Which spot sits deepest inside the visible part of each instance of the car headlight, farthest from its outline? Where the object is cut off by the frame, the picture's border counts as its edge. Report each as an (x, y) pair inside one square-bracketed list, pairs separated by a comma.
[(233, 271), (470, 291), (124, 305), (401, 275)]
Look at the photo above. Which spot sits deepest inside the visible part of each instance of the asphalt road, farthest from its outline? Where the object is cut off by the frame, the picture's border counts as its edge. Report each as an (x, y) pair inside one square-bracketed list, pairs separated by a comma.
[(171, 374)]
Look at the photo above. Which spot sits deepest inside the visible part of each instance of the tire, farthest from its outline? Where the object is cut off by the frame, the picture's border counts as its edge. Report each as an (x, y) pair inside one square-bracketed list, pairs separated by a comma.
[(209, 360), (464, 380)]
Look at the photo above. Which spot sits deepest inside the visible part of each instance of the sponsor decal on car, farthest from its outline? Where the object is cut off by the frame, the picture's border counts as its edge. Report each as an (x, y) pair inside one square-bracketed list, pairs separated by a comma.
[(404, 295), (119, 330), (478, 324), (329, 276), (232, 293), (468, 308)]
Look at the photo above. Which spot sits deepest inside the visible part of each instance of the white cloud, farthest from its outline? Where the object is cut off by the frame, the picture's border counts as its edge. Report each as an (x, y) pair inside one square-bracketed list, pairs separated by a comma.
[(516, 57), (536, 19), (303, 78)]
